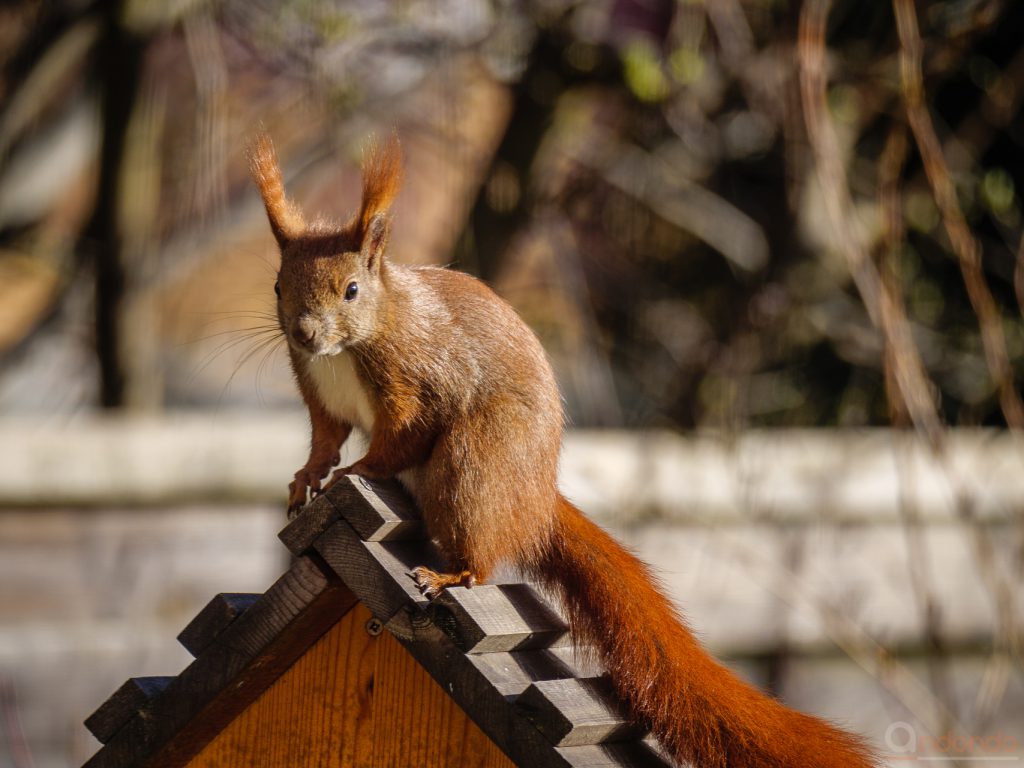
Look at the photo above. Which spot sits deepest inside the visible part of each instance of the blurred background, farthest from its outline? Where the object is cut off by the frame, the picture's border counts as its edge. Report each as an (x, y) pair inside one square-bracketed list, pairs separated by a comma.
[(774, 250)]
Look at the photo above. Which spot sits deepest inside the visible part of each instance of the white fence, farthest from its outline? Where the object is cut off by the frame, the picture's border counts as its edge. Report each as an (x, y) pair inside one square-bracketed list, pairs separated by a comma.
[(826, 564)]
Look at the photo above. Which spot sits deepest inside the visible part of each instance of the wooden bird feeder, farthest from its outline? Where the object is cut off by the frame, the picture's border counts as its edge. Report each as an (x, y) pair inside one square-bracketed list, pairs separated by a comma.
[(343, 663)]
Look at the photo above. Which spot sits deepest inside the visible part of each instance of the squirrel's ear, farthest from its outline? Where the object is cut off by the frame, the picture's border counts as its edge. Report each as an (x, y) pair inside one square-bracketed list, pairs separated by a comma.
[(286, 221), (375, 240), (382, 176)]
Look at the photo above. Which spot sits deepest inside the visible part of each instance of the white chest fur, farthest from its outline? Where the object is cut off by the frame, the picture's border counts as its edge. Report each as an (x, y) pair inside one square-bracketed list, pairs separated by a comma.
[(341, 391)]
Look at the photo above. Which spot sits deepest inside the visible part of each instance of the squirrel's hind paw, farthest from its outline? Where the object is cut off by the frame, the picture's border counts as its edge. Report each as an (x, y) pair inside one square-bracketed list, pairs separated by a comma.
[(431, 583)]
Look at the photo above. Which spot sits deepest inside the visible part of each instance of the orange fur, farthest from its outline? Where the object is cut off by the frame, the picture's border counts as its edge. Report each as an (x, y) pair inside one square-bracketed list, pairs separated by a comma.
[(699, 710), (286, 221), (458, 400), (382, 178)]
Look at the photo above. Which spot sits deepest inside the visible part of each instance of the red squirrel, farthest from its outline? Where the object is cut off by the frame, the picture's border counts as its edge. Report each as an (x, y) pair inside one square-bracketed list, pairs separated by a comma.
[(458, 401)]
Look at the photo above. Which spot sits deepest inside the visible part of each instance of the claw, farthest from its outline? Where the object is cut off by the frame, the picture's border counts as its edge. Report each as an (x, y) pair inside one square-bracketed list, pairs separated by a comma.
[(296, 499), (424, 579), (307, 485), (429, 592)]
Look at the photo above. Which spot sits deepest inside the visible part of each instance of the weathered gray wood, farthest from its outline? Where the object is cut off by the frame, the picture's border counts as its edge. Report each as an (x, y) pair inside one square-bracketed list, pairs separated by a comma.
[(502, 617), (232, 671), (314, 518), (213, 619), (377, 572), (574, 712), (461, 676), (629, 754), (514, 672), (125, 702), (376, 510)]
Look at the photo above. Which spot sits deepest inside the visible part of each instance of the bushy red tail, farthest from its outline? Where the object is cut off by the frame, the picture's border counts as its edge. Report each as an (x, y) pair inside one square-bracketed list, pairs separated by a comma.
[(700, 711)]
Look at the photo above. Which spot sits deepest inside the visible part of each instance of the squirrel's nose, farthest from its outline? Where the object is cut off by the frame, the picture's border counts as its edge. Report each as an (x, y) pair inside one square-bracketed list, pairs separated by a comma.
[(304, 330)]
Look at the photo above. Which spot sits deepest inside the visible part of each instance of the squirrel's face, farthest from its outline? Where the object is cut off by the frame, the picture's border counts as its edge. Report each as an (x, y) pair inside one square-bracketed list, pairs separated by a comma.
[(330, 289), (327, 303)]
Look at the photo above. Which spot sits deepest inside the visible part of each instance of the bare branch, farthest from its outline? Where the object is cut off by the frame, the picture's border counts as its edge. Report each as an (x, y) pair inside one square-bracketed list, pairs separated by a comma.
[(887, 312), (965, 245), (884, 306)]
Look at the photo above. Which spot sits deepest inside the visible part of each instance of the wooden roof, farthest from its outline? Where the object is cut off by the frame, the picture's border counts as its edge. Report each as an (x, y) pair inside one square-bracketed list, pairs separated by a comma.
[(501, 652)]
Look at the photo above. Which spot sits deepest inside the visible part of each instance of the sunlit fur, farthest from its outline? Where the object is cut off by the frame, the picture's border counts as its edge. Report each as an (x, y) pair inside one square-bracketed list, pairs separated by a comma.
[(382, 177), (286, 221), (700, 711), (468, 413)]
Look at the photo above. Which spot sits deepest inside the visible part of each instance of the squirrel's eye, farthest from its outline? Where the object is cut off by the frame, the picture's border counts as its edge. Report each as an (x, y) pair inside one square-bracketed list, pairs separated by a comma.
[(277, 289), (351, 291)]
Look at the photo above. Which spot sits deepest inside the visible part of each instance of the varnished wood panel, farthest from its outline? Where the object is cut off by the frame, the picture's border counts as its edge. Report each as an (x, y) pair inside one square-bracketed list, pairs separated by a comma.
[(352, 700)]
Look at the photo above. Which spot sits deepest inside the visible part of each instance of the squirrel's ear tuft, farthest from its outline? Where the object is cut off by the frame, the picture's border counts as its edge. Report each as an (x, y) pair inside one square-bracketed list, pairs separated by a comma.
[(375, 240), (286, 220), (382, 176)]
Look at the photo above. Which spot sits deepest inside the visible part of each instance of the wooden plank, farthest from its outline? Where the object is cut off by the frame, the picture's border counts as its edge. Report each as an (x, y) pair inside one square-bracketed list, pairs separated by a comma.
[(239, 665), (125, 702), (314, 518), (377, 571), (574, 712), (629, 754), (514, 672), (376, 510), (501, 617), (213, 619)]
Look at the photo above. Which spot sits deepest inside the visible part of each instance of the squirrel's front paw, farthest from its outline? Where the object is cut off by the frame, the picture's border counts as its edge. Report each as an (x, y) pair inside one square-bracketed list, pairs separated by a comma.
[(359, 468), (306, 482)]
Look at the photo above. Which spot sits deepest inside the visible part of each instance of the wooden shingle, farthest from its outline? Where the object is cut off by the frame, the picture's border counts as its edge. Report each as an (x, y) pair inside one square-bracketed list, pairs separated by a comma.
[(214, 619)]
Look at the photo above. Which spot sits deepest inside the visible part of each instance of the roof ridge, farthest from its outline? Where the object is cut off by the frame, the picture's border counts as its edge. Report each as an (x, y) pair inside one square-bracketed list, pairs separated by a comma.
[(502, 652)]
